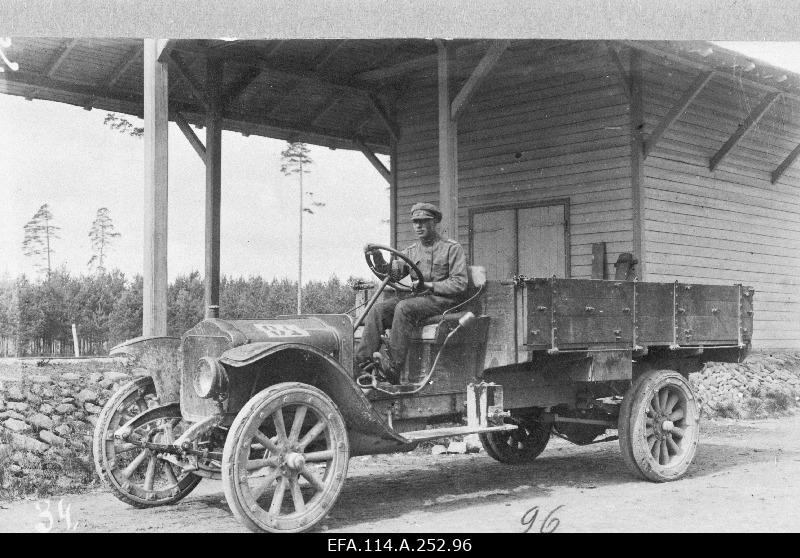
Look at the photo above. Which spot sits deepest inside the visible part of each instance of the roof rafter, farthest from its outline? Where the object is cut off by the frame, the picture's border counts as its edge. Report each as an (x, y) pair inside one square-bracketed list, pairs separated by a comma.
[(623, 73), (59, 57), (479, 74), (384, 117), (677, 110), (239, 86), (751, 120), (180, 68), (777, 173)]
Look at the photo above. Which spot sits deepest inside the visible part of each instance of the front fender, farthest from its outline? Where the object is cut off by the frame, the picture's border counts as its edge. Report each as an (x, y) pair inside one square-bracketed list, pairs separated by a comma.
[(368, 431)]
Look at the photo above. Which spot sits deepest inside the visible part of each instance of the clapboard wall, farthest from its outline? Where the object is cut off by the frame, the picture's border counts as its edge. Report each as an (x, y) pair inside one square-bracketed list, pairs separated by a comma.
[(550, 123), (730, 225)]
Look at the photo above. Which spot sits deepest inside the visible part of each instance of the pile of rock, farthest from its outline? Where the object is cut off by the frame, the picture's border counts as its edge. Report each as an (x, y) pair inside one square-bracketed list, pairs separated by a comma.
[(46, 425), (762, 385)]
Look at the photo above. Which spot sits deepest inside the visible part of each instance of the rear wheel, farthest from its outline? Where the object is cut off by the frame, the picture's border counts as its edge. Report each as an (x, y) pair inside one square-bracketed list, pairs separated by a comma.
[(517, 446), (139, 477), (659, 426), (285, 459)]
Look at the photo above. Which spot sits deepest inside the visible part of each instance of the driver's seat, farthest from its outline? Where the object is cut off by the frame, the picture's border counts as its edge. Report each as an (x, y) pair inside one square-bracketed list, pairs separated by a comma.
[(436, 328)]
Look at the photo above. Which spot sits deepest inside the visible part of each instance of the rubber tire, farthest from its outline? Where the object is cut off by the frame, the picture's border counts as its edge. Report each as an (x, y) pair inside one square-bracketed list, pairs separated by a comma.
[(259, 401), (496, 444), (635, 453), (186, 485)]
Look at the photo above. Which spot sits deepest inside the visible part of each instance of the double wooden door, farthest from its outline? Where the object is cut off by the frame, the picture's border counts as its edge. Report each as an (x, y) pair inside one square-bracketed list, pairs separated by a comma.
[(531, 241)]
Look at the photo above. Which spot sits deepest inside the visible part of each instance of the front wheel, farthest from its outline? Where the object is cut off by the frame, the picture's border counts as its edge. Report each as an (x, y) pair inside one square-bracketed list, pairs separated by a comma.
[(658, 426), (139, 477), (285, 480)]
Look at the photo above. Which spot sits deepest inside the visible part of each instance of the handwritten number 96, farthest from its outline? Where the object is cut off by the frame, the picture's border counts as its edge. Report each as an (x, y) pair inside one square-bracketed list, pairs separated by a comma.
[(549, 524)]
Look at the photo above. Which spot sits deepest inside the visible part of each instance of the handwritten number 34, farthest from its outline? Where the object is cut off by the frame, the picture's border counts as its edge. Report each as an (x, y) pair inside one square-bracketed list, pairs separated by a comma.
[(548, 525)]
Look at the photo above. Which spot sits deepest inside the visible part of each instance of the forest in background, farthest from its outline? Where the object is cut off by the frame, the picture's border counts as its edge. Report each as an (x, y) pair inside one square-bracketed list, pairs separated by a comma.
[(36, 316)]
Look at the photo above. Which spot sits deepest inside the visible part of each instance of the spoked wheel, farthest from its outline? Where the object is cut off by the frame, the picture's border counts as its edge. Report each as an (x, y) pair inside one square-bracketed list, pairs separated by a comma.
[(517, 446), (137, 476), (285, 459), (658, 426)]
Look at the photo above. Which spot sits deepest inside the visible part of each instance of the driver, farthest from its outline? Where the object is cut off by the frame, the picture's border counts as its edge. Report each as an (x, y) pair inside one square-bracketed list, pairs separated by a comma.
[(443, 285)]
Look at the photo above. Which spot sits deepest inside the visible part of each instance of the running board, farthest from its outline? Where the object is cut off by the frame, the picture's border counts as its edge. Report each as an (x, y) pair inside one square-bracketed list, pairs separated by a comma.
[(434, 433)]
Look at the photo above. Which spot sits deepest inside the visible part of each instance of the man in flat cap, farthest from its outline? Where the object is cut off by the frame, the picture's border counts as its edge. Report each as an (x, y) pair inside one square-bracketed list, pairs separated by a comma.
[(443, 285)]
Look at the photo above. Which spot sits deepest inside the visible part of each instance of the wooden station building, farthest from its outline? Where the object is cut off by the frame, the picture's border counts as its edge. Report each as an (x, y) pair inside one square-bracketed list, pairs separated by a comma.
[(547, 157)]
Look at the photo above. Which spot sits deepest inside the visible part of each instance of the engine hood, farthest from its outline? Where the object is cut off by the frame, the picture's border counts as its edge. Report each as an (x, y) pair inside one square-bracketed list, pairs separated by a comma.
[(306, 330)]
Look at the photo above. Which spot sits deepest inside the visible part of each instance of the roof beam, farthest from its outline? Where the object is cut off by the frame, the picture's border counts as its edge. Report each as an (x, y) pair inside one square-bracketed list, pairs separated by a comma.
[(59, 57), (319, 64), (116, 74), (645, 46), (180, 68), (323, 108), (259, 61), (428, 61), (326, 56), (368, 153), (479, 74), (235, 89), (194, 141), (133, 102), (266, 121), (379, 109), (677, 110), (623, 73), (777, 173), (751, 120)]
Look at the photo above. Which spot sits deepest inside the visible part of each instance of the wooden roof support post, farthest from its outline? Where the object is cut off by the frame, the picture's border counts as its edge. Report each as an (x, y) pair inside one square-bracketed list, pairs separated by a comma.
[(677, 110), (479, 74), (751, 120), (156, 120), (393, 187), (777, 173), (213, 184), (637, 161), (448, 144)]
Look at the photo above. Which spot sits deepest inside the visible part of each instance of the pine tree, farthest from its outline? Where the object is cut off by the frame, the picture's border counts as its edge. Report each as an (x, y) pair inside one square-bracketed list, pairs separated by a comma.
[(40, 232), (293, 160), (101, 235)]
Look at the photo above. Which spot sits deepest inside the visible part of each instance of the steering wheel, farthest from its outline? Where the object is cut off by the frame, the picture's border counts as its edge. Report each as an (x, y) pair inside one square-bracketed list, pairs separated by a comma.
[(370, 249)]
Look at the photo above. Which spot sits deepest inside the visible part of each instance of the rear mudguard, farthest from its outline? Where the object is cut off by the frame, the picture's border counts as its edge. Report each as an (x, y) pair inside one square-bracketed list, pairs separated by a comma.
[(368, 431)]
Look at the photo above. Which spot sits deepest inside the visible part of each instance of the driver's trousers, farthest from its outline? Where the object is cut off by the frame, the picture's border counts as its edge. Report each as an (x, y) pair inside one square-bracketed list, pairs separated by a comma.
[(402, 315)]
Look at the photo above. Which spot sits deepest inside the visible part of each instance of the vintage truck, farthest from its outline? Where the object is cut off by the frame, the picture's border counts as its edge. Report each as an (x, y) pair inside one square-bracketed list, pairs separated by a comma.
[(274, 408)]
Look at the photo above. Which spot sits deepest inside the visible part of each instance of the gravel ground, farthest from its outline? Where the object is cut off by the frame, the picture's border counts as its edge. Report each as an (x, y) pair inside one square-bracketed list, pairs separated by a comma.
[(744, 478)]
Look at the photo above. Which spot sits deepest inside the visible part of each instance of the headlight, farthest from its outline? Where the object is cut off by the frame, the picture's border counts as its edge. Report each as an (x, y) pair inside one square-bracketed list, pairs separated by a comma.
[(210, 379)]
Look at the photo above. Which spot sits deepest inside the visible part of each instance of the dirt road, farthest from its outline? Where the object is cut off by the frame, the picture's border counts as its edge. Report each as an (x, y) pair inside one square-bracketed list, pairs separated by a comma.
[(746, 477)]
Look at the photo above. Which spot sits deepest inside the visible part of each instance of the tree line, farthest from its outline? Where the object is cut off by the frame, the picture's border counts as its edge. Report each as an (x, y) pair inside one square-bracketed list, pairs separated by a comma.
[(36, 316)]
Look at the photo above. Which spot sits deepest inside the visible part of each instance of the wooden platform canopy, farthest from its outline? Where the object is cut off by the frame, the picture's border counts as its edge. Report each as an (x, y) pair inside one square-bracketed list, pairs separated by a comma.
[(341, 93)]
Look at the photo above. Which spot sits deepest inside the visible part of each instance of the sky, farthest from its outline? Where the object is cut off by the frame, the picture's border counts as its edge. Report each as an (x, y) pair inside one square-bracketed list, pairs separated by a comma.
[(66, 157)]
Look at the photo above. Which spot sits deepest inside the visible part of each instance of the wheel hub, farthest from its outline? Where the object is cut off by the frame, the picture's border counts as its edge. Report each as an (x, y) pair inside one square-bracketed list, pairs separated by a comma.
[(295, 461)]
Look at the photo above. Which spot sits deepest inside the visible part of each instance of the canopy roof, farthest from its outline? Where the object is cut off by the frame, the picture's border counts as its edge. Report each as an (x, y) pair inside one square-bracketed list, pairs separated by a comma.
[(337, 93)]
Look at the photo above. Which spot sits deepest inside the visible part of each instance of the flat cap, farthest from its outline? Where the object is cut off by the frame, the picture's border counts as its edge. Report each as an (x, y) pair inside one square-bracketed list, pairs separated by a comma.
[(425, 211)]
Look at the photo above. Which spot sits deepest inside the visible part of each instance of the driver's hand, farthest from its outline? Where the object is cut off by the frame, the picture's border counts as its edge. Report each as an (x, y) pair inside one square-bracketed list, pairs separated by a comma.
[(396, 270), (421, 286)]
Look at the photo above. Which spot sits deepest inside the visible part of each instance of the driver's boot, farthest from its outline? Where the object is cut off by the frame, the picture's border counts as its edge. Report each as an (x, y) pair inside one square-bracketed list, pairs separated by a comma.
[(384, 366)]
